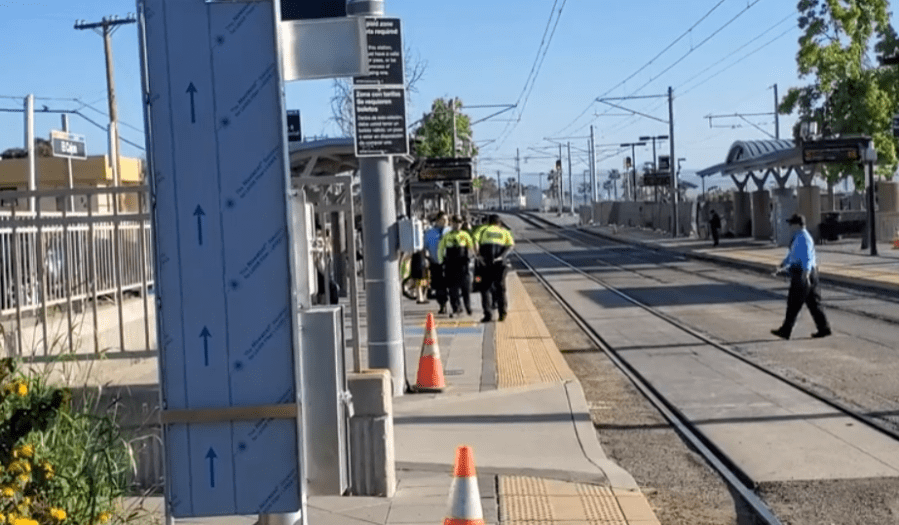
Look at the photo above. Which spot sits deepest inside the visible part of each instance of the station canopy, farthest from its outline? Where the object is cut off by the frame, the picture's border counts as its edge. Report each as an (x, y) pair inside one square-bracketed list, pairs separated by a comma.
[(747, 156), (331, 156)]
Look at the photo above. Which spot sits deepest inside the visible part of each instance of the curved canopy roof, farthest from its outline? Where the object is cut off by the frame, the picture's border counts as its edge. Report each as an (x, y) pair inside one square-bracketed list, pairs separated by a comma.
[(755, 155)]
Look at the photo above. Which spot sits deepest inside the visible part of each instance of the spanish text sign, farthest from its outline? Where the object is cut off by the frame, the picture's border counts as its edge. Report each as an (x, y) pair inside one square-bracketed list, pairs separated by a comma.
[(380, 122), (219, 171)]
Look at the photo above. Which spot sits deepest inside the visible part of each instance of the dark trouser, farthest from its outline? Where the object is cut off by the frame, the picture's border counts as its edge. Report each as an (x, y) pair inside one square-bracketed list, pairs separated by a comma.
[(800, 294), (715, 235), (494, 289), (458, 283), (438, 281)]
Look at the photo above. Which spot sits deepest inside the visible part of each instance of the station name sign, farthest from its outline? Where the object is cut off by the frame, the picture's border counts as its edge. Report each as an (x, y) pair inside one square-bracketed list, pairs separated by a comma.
[(446, 169), (835, 150), (659, 178), (67, 145)]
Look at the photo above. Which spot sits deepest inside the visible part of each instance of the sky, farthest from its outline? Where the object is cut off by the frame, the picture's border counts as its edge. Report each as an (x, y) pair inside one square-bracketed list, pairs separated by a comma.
[(550, 58)]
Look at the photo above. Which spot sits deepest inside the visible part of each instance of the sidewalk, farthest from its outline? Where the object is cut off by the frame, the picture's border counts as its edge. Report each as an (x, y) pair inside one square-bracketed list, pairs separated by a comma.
[(510, 394)]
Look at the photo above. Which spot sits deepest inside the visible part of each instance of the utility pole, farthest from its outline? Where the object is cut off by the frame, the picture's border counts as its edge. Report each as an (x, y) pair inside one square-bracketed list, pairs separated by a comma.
[(106, 28), (674, 185), (456, 189), (518, 172), (559, 175), (593, 181), (776, 115), (65, 127), (29, 147), (499, 188), (570, 184)]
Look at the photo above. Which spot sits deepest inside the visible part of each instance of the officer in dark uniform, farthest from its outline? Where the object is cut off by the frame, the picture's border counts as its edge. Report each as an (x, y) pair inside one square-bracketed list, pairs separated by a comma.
[(455, 251), (802, 266), (494, 242)]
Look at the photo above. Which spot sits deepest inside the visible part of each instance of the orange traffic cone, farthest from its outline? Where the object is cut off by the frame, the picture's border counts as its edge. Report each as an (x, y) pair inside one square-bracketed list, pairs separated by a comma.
[(430, 369), (465, 498)]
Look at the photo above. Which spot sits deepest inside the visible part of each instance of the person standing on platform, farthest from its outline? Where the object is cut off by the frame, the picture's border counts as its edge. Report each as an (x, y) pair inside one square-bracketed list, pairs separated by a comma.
[(715, 227), (432, 245), (494, 242), (456, 250), (801, 264)]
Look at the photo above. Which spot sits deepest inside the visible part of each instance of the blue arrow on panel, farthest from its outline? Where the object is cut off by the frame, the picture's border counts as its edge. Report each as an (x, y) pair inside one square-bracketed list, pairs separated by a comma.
[(192, 90), (211, 457), (198, 213), (205, 335)]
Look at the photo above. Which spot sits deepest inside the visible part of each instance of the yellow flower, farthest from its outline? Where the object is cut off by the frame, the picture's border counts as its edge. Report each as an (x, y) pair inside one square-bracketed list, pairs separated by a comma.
[(103, 517), (24, 451), (8, 491), (21, 388), (24, 478), (58, 514), (24, 521)]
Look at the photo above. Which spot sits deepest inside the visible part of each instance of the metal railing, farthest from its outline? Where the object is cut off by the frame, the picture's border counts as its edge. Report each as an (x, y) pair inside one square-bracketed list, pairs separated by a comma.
[(55, 263)]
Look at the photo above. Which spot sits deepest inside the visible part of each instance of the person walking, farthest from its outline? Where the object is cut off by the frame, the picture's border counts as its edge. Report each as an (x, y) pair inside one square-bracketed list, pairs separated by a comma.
[(715, 227), (455, 252), (494, 242), (802, 266), (432, 245)]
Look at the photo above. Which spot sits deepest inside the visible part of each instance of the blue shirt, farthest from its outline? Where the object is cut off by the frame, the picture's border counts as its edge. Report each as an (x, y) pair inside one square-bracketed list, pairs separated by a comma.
[(802, 251), (432, 240)]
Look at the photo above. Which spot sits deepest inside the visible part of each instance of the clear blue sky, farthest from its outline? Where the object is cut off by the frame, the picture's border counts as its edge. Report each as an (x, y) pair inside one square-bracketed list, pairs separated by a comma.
[(484, 53)]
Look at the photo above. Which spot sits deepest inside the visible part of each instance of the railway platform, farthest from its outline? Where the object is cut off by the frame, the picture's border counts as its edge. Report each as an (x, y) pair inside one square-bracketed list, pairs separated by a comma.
[(514, 400)]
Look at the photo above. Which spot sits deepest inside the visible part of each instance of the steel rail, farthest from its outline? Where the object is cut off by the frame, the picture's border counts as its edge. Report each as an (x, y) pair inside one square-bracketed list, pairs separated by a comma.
[(872, 422), (725, 467)]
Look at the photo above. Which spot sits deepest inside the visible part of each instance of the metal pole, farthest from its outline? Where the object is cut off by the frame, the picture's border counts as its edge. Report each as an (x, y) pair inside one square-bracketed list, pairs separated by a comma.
[(776, 115), (382, 272), (559, 182), (634, 167), (570, 184), (518, 172), (29, 147), (499, 188), (71, 179), (674, 192), (872, 240), (593, 180)]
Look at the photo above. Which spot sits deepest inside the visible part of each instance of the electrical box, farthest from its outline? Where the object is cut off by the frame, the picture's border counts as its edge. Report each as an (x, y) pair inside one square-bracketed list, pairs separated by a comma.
[(411, 235)]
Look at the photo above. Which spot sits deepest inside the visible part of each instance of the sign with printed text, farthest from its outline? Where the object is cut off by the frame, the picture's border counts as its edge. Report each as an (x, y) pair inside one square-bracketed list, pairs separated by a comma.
[(385, 52), (835, 150), (380, 122), (226, 332), (67, 145)]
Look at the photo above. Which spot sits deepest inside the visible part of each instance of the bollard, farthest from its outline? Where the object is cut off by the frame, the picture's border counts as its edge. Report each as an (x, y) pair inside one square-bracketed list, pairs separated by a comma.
[(373, 467)]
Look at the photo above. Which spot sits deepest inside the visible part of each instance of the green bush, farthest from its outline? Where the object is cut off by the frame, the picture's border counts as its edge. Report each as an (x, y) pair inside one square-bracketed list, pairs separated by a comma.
[(58, 463)]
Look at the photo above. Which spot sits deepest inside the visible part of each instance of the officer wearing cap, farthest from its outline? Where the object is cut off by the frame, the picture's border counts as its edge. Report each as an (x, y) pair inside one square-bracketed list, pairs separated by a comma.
[(455, 252), (801, 264), (494, 242)]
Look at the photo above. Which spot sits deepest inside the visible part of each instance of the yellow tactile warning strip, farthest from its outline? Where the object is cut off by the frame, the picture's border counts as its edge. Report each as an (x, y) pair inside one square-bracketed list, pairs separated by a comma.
[(525, 351), (525, 355)]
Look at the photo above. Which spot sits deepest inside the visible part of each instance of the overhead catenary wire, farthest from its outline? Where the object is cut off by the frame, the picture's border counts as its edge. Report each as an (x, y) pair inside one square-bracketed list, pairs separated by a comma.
[(525, 94), (644, 66)]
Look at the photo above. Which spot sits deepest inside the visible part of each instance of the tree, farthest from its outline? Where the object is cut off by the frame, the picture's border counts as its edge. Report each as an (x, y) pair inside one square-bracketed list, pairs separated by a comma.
[(434, 136), (848, 95), (42, 148), (342, 91)]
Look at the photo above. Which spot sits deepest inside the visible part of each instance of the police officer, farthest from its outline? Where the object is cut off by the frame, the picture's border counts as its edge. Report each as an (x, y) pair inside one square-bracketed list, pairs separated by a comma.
[(801, 264), (494, 242), (455, 252)]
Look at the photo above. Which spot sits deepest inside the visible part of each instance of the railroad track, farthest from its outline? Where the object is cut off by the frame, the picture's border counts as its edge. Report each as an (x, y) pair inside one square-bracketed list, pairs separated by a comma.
[(726, 466)]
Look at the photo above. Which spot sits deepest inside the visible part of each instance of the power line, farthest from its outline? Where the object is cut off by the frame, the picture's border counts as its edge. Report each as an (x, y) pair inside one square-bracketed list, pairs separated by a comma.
[(644, 66), (535, 71)]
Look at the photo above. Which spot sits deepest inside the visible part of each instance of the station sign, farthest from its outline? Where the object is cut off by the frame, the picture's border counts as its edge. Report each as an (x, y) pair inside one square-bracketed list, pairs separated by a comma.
[(446, 169), (385, 53), (225, 318), (835, 150), (379, 98), (380, 121), (658, 178), (294, 126), (67, 145), (465, 187)]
